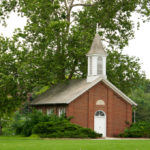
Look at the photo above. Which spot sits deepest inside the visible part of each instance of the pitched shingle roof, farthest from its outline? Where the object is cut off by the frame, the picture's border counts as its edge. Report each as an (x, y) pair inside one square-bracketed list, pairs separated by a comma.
[(97, 46), (70, 90)]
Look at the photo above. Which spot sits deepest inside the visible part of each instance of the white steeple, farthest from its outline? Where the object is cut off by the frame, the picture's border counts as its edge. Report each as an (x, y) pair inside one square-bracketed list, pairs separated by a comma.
[(96, 60)]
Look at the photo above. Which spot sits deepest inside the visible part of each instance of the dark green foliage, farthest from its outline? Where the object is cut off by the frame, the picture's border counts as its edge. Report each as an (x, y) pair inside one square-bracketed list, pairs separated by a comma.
[(145, 86), (7, 131), (48, 126), (6, 127), (139, 129), (11, 91), (24, 123), (123, 71), (63, 129), (143, 110), (141, 96)]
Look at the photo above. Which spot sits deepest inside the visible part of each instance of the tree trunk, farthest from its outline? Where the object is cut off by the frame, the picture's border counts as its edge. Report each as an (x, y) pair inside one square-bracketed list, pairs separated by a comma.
[(73, 69)]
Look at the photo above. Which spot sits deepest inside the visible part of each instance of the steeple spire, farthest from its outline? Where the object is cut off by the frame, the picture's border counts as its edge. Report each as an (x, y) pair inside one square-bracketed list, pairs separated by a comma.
[(96, 59), (97, 46)]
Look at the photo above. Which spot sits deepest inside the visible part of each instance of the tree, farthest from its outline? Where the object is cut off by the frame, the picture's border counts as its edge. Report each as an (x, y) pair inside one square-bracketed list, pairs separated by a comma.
[(145, 85), (53, 44), (9, 94), (142, 98), (124, 71), (54, 28)]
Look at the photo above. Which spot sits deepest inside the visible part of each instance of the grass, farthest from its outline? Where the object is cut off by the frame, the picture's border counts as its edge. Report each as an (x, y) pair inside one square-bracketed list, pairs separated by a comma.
[(21, 143)]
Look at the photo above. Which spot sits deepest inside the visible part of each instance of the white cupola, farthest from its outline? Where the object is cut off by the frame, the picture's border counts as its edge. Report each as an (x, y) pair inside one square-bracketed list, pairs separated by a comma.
[(96, 60)]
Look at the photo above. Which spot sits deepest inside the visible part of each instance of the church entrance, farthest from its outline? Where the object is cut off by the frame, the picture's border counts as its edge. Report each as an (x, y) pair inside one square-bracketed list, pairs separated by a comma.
[(100, 122)]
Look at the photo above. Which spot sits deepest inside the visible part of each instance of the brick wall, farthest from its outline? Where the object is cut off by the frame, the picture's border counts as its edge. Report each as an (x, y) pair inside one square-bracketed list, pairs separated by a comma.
[(118, 112), (79, 110)]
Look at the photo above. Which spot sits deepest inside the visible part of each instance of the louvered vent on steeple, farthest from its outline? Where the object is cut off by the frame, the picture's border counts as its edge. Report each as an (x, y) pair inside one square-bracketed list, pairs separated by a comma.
[(96, 60)]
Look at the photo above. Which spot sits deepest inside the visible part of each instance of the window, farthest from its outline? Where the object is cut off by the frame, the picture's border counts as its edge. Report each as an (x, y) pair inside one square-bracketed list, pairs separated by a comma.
[(61, 111), (100, 65), (50, 111), (100, 102), (90, 65), (40, 110), (99, 113)]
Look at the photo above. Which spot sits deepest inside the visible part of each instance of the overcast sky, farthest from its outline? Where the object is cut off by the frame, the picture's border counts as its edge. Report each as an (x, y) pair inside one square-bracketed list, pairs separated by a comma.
[(139, 47)]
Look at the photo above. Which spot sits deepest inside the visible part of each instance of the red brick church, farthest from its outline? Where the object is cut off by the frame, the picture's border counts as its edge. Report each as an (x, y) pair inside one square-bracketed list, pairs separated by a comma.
[(93, 102)]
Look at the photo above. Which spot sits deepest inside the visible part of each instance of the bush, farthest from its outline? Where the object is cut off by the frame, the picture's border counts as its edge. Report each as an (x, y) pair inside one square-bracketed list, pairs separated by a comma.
[(139, 129), (63, 129), (7, 131), (24, 123), (6, 126), (35, 122)]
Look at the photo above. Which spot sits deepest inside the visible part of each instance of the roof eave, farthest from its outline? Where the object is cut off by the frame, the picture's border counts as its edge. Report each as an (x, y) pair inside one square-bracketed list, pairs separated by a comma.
[(48, 104), (84, 91), (119, 92), (109, 84)]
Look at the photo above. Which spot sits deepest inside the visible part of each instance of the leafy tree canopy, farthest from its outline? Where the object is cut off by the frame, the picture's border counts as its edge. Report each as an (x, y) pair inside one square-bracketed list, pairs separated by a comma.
[(143, 101), (124, 71), (141, 95), (9, 94), (61, 35)]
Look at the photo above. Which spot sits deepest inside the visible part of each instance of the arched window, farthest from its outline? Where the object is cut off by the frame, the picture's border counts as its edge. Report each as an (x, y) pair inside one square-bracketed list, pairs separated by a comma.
[(100, 65), (99, 113)]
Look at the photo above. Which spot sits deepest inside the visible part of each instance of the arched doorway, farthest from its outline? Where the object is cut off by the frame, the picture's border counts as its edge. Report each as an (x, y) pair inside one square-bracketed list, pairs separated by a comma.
[(100, 122)]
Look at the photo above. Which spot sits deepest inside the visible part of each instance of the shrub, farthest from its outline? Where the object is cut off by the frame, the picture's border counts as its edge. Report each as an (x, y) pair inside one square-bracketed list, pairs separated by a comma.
[(6, 126), (7, 131), (63, 129), (49, 126), (24, 123), (139, 129)]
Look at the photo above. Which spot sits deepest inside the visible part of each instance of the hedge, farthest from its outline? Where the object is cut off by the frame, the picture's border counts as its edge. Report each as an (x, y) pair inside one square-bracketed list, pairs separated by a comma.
[(139, 129), (63, 129)]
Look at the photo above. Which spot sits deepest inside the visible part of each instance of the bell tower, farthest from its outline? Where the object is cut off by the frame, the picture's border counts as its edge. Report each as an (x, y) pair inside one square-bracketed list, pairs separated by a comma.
[(96, 60)]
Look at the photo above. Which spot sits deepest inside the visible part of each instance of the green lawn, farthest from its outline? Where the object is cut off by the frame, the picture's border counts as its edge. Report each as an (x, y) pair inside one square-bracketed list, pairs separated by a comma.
[(18, 143)]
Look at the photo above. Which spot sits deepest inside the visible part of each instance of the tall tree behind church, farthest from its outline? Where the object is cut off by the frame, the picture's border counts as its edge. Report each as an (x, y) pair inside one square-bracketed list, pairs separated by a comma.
[(57, 36)]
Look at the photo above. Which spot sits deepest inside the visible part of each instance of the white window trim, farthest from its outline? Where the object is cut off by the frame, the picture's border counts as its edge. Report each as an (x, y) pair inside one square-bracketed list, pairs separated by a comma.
[(90, 66), (61, 111), (40, 110), (50, 111), (100, 66)]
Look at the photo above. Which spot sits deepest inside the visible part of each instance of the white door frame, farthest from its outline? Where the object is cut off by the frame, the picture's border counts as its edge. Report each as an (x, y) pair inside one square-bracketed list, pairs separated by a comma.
[(100, 116)]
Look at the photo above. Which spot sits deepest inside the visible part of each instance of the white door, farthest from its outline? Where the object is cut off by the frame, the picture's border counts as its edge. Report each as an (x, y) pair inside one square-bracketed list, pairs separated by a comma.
[(100, 122)]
